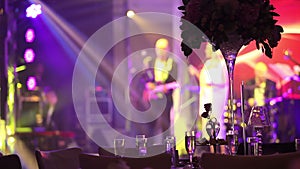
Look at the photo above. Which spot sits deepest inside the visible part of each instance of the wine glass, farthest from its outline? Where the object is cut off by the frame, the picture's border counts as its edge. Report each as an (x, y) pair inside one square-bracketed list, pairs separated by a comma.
[(190, 145)]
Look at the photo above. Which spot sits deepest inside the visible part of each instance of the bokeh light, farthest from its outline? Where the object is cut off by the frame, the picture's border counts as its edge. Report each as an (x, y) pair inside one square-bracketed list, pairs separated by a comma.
[(29, 55), (29, 35), (31, 83), (33, 10)]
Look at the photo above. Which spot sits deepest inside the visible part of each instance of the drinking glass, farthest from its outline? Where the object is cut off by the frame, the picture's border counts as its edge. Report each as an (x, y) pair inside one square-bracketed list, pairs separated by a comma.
[(252, 146), (170, 144), (141, 144), (170, 148), (119, 146), (190, 144)]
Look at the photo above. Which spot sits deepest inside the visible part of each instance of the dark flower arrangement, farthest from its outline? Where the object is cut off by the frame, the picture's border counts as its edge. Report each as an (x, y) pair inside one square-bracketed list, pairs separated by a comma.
[(217, 19)]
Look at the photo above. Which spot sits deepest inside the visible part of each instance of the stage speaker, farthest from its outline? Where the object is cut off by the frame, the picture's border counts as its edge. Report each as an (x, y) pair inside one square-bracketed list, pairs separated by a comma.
[(98, 128), (30, 113)]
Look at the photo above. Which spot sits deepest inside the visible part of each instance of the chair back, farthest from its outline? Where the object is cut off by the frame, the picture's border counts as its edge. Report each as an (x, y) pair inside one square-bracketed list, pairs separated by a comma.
[(88, 161), (275, 161), (161, 161), (104, 152), (11, 161), (58, 159)]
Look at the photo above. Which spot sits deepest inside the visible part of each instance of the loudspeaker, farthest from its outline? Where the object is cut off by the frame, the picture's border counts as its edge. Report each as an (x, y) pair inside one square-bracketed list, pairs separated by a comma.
[(27, 115)]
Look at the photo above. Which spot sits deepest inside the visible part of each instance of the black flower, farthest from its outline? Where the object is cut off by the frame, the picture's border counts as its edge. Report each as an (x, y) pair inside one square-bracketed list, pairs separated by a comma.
[(218, 19)]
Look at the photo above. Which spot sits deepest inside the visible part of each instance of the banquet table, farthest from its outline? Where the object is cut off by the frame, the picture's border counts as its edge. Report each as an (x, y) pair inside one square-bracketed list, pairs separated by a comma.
[(284, 152)]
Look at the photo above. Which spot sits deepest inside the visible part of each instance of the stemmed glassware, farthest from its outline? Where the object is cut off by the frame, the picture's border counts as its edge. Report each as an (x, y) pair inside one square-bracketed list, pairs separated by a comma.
[(190, 145), (230, 50)]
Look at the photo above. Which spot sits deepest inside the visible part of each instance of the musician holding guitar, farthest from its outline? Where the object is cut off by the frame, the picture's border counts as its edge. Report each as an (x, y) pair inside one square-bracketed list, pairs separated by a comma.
[(159, 79), (259, 91)]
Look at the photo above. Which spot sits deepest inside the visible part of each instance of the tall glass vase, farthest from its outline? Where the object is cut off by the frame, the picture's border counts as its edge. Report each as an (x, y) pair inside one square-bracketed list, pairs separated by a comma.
[(230, 57), (230, 51)]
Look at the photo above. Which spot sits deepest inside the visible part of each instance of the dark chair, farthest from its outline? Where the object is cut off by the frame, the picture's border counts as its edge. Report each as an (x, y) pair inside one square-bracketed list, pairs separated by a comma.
[(58, 159), (161, 161), (105, 151), (11, 161), (275, 161), (272, 148), (88, 161)]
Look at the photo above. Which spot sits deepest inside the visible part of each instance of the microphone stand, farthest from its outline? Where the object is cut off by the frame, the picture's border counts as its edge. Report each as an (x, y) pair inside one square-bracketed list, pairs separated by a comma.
[(243, 116)]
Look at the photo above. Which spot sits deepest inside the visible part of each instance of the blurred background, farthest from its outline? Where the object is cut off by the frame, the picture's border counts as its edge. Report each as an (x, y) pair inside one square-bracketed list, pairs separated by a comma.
[(41, 41)]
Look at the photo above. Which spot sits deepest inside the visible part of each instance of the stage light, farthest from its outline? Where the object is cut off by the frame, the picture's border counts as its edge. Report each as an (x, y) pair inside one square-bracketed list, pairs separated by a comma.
[(31, 83), (29, 35), (33, 10), (19, 85), (130, 13), (11, 140), (29, 55), (20, 68)]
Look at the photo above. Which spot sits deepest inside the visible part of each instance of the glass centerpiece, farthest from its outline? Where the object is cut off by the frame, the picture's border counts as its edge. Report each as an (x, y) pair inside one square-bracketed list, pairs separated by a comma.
[(228, 25)]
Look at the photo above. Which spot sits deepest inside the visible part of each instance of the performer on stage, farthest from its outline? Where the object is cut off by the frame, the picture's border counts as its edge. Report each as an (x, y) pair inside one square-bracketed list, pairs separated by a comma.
[(158, 83), (213, 88), (258, 92), (50, 100), (259, 89)]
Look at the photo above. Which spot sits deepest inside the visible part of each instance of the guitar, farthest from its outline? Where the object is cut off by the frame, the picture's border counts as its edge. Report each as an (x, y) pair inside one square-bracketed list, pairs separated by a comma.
[(153, 91)]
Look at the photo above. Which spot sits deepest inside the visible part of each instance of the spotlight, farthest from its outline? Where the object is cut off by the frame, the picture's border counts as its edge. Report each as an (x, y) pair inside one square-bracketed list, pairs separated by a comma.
[(31, 83), (20, 68), (29, 55), (33, 10), (19, 85), (29, 35), (130, 13)]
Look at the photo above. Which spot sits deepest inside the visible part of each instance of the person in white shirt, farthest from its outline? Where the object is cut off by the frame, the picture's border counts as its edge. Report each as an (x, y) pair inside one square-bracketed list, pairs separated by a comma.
[(213, 88)]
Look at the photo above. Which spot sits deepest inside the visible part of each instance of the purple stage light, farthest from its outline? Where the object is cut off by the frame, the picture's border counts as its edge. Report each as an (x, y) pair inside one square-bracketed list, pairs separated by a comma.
[(29, 35), (29, 55), (33, 10), (31, 83)]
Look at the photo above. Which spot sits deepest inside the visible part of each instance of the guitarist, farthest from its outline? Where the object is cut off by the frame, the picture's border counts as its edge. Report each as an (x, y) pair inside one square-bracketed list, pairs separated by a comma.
[(159, 79)]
